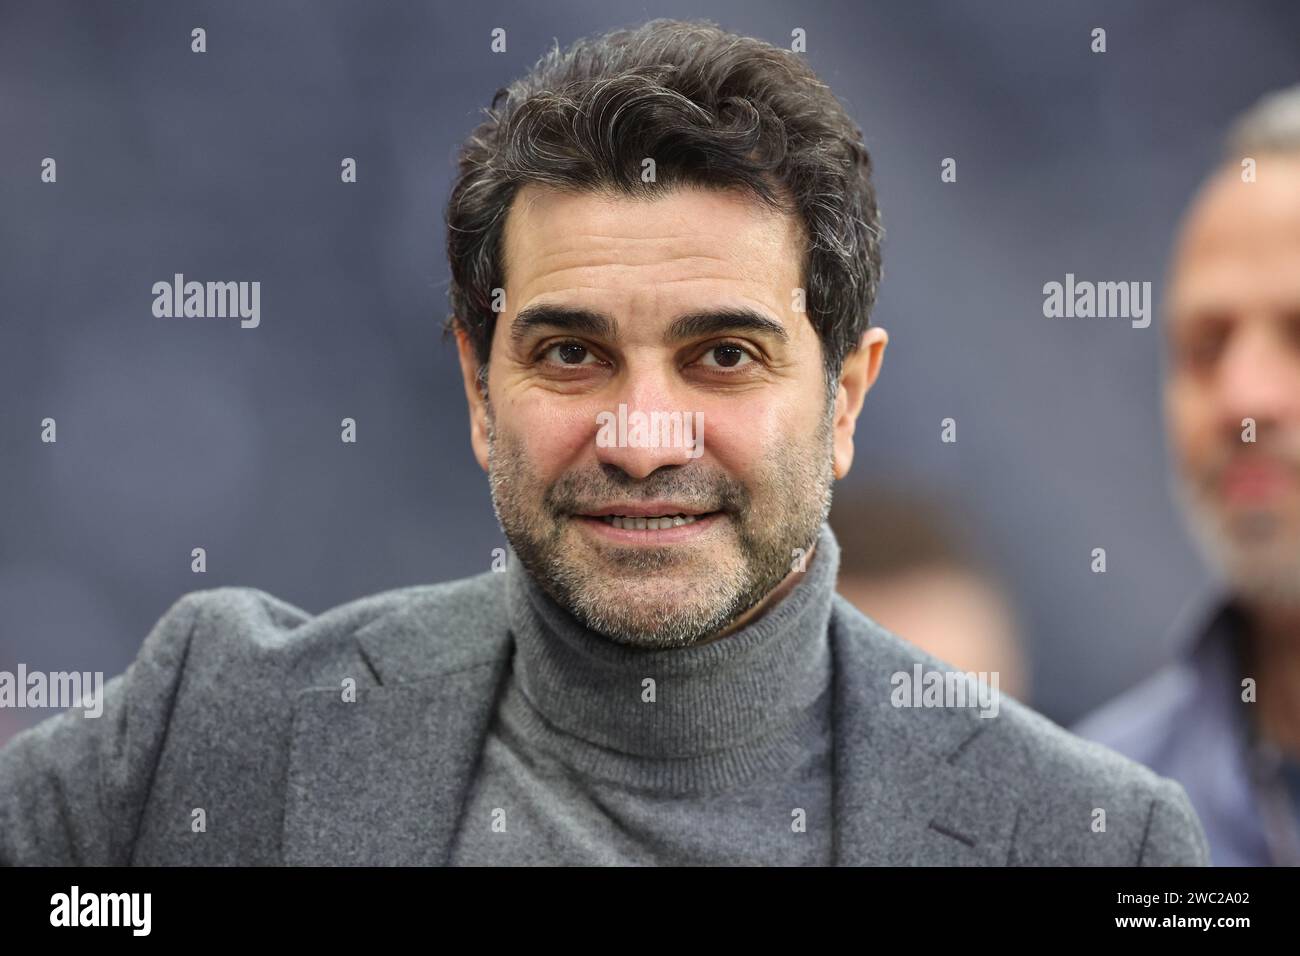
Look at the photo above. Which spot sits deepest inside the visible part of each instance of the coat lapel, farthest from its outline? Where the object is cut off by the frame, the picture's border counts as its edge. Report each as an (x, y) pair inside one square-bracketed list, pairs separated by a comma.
[(381, 780), (908, 790)]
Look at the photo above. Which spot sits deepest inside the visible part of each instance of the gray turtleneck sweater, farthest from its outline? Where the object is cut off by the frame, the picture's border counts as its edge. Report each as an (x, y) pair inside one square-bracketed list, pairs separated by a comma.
[(730, 764)]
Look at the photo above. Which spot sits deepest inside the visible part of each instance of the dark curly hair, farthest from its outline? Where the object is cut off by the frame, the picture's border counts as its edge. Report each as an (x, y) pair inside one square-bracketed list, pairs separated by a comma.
[(712, 109)]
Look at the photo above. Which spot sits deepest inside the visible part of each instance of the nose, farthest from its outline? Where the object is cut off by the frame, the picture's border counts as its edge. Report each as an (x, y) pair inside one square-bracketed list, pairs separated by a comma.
[(1259, 377), (647, 425)]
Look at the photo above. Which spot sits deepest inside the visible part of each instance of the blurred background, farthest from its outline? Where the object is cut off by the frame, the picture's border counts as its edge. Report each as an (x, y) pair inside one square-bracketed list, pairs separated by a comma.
[(176, 434)]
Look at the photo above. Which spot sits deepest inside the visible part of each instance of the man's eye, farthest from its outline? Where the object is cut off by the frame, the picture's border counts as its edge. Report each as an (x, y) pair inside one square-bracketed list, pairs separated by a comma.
[(1201, 350), (568, 353), (1292, 322), (727, 356)]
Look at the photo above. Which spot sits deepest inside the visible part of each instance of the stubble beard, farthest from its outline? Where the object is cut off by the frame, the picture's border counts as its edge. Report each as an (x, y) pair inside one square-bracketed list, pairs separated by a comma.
[(1257, 551), (671, 596)]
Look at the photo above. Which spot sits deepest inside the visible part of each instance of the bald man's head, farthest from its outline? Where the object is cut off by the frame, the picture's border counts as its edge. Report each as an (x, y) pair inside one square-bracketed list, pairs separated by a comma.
[(1232, 394)]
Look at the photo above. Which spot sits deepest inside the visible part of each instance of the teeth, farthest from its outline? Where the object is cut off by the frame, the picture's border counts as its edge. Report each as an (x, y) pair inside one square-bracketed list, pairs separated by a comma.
[(649, 524)]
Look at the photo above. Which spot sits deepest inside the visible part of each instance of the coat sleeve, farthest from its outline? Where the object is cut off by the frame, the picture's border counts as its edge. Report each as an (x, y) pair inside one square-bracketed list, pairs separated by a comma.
[(1174, 836), (73, 788)]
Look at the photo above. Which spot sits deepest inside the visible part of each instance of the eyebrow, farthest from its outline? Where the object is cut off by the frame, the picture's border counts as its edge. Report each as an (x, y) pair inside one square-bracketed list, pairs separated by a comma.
[(688, 326)]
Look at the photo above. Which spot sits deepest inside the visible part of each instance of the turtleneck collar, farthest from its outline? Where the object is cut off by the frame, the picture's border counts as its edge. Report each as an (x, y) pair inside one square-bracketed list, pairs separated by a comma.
[(723, 711)]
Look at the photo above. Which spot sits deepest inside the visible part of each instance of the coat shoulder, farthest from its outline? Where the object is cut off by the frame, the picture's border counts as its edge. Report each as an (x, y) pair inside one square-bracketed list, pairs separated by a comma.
[(255, 633), (1079, 800)]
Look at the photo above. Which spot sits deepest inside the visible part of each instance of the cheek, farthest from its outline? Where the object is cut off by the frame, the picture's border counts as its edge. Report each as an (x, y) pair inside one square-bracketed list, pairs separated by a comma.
[(1192, 428), (551, 435), (742, 433)]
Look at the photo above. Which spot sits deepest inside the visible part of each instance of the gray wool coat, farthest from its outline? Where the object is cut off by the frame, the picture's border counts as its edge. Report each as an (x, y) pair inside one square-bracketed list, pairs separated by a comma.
[(236, 706)]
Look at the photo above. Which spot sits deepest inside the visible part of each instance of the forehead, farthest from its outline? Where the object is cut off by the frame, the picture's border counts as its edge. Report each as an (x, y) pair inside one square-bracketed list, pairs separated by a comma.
[(675, 245), (1240, 243)]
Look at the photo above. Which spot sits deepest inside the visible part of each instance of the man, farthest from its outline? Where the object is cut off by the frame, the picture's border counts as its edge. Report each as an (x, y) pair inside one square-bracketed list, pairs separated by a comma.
[(1225, 719), (665, 221)]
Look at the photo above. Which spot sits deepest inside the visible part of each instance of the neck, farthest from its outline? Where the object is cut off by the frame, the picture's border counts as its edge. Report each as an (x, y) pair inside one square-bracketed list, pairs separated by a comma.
[(704, 715)]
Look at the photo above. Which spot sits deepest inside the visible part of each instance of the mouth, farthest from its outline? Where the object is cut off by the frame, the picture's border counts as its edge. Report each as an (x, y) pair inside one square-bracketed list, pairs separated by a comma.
[(637, 524), (650, 522), (1253, 482)]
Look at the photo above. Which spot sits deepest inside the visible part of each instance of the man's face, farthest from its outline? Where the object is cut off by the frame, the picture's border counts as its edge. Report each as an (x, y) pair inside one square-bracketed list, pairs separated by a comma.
[(685, 303), (1234, 337)]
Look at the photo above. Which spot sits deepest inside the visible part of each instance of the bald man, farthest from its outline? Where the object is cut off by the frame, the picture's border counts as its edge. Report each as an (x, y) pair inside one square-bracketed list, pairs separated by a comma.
[(1224, 720)]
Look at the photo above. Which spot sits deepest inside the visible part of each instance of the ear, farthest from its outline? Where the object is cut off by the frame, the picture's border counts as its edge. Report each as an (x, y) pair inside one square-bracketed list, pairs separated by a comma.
[(469, 369), (860, 370)]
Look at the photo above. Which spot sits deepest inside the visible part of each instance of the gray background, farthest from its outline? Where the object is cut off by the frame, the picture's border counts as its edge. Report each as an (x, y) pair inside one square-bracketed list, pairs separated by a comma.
[(181, 433)]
